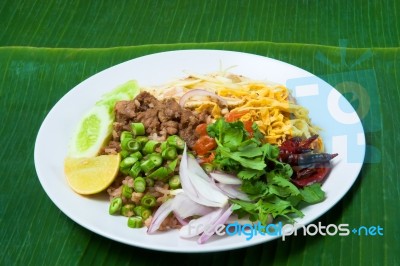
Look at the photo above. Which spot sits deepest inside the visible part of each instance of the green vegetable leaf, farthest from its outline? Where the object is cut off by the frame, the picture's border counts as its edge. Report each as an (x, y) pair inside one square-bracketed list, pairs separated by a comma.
[(249, 152), (255, 163), (295, 200), (276, 178), (255, 189), (312, 193), (282, 192), (232, 138), (278, 207), (248, 174), (249, 143), (257, 133), (272, 205), (270, 151)]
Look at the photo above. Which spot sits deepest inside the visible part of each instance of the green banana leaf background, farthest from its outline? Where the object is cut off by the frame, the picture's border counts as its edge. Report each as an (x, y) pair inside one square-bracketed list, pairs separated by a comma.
[(48, 47)]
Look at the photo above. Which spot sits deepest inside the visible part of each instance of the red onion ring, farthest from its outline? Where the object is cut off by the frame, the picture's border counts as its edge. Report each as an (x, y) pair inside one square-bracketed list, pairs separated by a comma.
[(221, 220), (199, 92), (226, 178)]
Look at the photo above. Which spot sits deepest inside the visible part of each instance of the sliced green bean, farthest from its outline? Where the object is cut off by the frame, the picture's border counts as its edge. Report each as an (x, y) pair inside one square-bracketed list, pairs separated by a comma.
[(128, 161), (176, 142), (174, 182), (156, 159), (130, 145), (150, 146), (172, 165), (160, 174), (126, 191), (147, 165), (128, 210), (142, 139), (148, 201), (143, 212), (124, 153), (137, 155), (135, 222), (135, 170), (125, 171), (115, 205), (208, 167), (125, 135), (138, 129), (164, 145), (169, 153), (149, 182), (139, 184)]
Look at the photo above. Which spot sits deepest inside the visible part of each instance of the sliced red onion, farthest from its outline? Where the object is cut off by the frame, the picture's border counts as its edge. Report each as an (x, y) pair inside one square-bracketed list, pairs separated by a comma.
[(196, 226), (197, 188), (233, 191), (195, 167), (221, 220), (180, 219), (207, 193), (159, 216), (200, 92), (184, 207), (187, 186), (226, 178)]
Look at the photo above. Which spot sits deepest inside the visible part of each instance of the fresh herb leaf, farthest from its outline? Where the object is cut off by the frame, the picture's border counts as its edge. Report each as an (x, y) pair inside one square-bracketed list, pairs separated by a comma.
[(255, 189), (313, 193), (232, 138), (270, 151), (273, 206), (276, 178), (278, 207), (295, 200), (248, 174), (255, 163), (250, 152), (257, 133), (249, 143)]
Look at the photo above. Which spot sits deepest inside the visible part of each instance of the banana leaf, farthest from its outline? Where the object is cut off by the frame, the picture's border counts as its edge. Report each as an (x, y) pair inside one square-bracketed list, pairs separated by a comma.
[(83, 24), (34, 231)]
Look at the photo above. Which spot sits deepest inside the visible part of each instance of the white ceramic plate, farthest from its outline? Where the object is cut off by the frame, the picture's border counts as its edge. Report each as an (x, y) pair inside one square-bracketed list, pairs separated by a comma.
[(342, 133)]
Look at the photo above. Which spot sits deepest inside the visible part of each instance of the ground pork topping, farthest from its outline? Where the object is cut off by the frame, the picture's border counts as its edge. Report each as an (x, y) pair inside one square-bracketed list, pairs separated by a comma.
[(160, 119)]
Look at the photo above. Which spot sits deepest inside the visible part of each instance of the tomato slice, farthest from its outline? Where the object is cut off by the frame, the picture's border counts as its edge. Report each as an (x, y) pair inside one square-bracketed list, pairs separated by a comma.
[(248, 127), (204, 145), (201, 129), (208, 159), (235, 115)]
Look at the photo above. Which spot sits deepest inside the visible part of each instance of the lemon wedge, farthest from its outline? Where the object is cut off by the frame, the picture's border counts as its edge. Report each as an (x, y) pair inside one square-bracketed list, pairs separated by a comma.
[(91, 175)]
